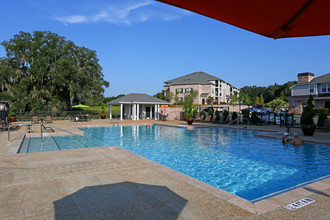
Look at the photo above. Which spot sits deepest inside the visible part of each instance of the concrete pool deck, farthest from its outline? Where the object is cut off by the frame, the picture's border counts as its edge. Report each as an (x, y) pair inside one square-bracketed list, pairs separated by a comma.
[(112, 183)]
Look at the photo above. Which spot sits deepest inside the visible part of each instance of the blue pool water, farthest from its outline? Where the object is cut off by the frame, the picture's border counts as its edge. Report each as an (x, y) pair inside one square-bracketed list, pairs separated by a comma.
[(230, 159)]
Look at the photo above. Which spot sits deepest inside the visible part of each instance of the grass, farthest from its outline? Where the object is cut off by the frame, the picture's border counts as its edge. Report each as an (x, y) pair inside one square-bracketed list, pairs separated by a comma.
[(98, 109)]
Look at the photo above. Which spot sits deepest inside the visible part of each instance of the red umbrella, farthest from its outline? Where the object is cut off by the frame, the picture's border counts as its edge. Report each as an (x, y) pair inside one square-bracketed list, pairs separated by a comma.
[(271, 18)]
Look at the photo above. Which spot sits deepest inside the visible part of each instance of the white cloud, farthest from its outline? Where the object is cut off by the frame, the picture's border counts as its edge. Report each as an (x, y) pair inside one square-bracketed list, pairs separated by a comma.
[(126, 12), (72, 19)]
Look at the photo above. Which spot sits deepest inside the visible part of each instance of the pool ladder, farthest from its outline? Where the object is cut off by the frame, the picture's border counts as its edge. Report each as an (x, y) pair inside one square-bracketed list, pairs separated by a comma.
[(115, 122)]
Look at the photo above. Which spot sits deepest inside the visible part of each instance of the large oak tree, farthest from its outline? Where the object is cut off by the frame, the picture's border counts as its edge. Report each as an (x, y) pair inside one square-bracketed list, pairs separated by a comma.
[(45, 72)]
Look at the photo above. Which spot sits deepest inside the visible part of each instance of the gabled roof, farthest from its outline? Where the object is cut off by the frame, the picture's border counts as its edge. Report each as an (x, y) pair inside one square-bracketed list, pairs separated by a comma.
[(138, 98), (193, 78), (321, 79)]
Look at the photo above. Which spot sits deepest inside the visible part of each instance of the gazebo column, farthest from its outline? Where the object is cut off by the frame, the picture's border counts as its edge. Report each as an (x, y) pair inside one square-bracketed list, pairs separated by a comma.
[(155, 112), (121, 111), (134, 112), (138, 112), (110, 116)]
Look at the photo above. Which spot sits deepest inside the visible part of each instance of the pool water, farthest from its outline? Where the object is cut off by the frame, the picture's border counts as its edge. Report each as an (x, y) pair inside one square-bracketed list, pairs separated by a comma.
[(230, 159)]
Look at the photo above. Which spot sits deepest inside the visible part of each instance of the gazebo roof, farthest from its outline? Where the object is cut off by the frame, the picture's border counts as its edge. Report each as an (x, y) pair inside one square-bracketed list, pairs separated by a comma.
[(138, 98)]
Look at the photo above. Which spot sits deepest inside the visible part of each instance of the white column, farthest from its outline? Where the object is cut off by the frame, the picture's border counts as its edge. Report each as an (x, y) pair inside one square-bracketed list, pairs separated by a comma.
[(155, 114), (121, 111), (110, 116), (134, 112), (138, 112)]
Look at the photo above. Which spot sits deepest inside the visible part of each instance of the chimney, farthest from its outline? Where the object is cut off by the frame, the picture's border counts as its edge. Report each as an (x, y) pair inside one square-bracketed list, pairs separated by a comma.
[(305, 77)]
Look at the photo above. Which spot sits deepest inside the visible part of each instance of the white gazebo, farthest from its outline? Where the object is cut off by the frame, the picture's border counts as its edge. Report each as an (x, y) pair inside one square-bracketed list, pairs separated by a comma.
[(137, 106)]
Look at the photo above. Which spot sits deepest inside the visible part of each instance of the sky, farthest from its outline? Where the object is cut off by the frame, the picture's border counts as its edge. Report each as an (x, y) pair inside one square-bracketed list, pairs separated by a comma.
[(142, 43)]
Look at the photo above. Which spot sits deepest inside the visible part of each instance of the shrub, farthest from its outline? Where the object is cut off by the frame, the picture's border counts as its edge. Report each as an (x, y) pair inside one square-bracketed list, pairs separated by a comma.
[(217, 116), (254, 118), (195, 113), (245, 113), (210, 113), (234, 116), (202, 113), (321, 120), (225, 115), (318, 111), (12, 112), (308, 112)]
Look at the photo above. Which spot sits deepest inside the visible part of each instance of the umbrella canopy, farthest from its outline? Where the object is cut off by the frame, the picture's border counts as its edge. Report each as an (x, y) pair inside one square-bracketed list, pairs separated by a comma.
[(275, 19), (164, 106), (80, 106)]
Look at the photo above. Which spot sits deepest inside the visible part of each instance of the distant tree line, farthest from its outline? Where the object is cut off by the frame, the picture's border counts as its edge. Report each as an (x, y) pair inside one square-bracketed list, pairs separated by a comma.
[(43, 71), (269, 93), (109, 99)]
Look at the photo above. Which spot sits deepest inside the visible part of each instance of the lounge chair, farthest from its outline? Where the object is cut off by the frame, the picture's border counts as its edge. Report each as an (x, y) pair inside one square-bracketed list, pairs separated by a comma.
[(48, 129), (34, 120), (48, 119)]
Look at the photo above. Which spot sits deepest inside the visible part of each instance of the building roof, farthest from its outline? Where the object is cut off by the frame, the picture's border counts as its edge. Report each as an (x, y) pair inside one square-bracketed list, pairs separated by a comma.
[(321, 79), (193, 78), (138, 98)]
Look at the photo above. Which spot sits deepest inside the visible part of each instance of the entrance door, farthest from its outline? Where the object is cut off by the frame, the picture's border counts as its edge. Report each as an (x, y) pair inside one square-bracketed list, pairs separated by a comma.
[(148, 112), (203, 101), (153, 112)]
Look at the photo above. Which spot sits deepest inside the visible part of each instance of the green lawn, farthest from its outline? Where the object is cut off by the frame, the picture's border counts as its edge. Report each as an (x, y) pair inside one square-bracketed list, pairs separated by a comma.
[(98, 109)]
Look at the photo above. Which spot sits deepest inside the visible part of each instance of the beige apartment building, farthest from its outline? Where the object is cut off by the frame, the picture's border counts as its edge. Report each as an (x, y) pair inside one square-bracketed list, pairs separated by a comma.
[(318, 87), (206, 85)]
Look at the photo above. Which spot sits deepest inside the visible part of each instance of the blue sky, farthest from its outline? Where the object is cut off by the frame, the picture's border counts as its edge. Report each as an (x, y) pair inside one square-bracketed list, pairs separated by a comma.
[(142, 43)]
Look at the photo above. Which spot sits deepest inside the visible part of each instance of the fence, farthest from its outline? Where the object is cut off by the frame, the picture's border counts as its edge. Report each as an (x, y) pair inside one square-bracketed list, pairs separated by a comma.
[(61, 115)]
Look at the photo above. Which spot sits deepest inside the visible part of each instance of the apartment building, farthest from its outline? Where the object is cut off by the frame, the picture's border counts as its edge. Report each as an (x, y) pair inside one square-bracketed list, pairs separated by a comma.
[(206, 85), (318, 87)]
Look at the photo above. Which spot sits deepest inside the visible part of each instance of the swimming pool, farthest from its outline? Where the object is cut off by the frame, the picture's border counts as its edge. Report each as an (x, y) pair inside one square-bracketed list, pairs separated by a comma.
[(230, 159)]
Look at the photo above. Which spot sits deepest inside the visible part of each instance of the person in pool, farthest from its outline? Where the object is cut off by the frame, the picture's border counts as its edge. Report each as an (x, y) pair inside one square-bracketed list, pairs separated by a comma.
[(297, 140), (285, 138)]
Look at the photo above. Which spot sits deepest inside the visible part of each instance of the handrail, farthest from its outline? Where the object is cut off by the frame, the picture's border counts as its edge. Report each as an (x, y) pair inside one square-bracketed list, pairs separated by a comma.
[(231, 122), (115, 121), (235, 120), (9, 130)]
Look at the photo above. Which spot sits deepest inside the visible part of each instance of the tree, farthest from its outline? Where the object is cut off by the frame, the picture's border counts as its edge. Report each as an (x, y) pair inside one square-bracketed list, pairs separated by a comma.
[(262, 101), (210, 100), (47, 72), (188, 103), (176, 99), (160, 95), (276, 104), (257, 101), (169, 96)]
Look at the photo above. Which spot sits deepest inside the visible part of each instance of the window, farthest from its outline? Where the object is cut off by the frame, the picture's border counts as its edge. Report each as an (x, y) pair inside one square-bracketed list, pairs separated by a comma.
[(180, 99), (188, 90), (311, 88), (324, 88), (179, 91)]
